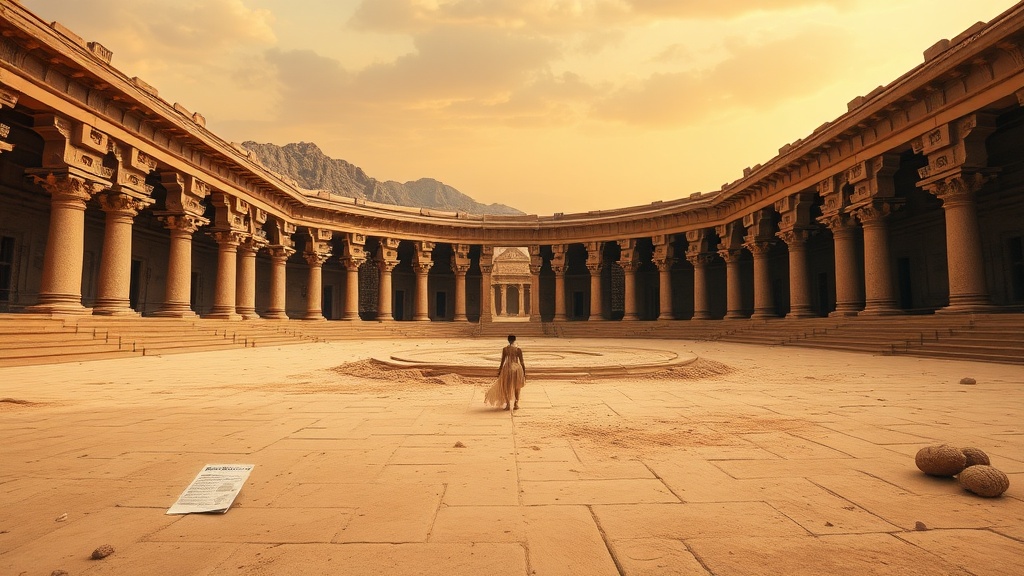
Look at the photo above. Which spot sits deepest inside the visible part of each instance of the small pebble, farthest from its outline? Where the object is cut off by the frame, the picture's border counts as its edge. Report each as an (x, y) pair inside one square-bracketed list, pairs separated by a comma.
[(968, 381), (61, 518), (919, 526), (102, 552), (459, 444), (59, 573)]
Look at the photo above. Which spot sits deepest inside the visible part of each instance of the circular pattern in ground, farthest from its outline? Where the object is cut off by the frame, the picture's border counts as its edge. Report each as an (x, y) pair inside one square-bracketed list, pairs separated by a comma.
[(551, 360)]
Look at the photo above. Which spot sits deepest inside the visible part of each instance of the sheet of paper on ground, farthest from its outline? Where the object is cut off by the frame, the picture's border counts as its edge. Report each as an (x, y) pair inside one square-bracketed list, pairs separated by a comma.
[(213, 490)]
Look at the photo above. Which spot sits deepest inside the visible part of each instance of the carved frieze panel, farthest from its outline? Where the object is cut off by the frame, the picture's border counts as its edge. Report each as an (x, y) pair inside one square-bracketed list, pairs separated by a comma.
[(64, 149), (795, 211), (873, 178), (964, 149), (185, 193), (229, 212), (760, 225)]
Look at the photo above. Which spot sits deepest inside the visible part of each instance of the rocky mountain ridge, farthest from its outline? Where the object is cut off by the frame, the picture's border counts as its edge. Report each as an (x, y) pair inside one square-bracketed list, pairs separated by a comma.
[(313, 170)]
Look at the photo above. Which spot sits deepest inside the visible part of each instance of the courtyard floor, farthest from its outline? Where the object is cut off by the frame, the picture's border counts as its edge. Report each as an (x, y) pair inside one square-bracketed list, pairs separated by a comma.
[(752, 460)]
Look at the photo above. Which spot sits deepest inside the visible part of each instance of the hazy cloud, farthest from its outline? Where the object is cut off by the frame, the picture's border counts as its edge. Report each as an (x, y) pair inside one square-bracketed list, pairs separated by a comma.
[(755, 76)]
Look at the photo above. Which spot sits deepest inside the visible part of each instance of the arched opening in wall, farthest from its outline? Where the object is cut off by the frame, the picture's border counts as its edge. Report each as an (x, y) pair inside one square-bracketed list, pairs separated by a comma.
[(647, 286), (918, 242), (24, 213), (441, 283), (577, 283), (510, 283), (1001, 213), (474, 292), (820, 264), (613, 281), (681, 275), (403, 283), (369, 281)]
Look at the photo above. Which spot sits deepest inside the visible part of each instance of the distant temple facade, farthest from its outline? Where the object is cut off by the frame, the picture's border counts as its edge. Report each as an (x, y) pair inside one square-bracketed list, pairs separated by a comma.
[(116, 202)]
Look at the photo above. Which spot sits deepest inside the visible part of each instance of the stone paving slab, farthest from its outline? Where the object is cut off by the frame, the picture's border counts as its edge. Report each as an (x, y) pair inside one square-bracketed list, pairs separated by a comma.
[(788, 462)]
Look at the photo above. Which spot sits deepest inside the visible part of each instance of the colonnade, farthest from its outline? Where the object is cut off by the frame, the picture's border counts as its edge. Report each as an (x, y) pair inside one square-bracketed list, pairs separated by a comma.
[(856, 203)]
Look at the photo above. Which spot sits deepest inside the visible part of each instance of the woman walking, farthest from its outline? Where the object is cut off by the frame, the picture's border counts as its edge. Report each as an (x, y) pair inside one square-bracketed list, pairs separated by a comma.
[(511, 377)]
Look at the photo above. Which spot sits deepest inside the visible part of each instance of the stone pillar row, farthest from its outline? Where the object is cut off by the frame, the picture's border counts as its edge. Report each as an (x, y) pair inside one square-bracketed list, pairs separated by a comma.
[(857, 204)]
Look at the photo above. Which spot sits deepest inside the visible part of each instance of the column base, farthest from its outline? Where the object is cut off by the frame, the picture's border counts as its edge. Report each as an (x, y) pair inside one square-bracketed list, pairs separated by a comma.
[(115, 312), (703, 315), (736, 316), (314, 317), (560, 318), (249, 314), (222, 316), (967, 309), (762, 315), (460, 318), (175, 312), (801, 313), (844, 312), (275, 315), (666, 317), (880, 311), (385, 319), (421, 318), (59, 305), (350, 317)]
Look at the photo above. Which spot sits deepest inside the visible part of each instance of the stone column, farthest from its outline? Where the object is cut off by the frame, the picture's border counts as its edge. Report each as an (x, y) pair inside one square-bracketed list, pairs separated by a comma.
[(315, 285), (701, 300), (278, 282), (353, 257), (764, 305), (596, 302), (799, 282), (486, 291), (665, 288), (734, 284), (385, 311), (112, 291), (849, 294), (880, 293), (522, 309), (629, 268), (968, 291), (245, 288), (227, 267), (421, 312), (178, 293), (352, 288), (503, 309), (460, 293), (535, 292), (60, 290), (559, 293)]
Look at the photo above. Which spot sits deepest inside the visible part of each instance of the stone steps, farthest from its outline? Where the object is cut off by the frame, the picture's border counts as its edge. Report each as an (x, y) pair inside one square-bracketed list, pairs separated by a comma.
[(33, 339)]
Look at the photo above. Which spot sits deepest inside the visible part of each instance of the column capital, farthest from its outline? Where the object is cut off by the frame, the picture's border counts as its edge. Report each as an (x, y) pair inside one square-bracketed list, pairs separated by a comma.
[(122, 204), (189, 223), (387, 265), (422, 268), (758, 247), (730, 255), (838, 223), (316, 259), (664, 264), (875, 213), (959, 188), (280, 252), (700, 259), (351, 263), (595, 268), (253, 243), (795, 238), (68, 188), (227, 237)]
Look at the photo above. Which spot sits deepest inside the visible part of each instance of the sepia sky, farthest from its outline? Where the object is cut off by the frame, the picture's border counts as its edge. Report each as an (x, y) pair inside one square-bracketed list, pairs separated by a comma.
[(545, 105)]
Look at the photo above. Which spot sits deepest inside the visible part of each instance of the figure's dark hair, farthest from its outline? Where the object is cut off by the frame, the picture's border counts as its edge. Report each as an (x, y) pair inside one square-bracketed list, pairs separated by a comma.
[(511, 338)]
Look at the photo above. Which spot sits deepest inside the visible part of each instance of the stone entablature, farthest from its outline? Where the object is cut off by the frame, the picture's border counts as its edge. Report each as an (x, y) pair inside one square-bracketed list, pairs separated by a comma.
[(76, 81)]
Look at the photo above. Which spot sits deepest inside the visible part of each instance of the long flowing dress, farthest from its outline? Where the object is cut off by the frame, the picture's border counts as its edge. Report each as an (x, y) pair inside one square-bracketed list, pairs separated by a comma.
[(511, 379)]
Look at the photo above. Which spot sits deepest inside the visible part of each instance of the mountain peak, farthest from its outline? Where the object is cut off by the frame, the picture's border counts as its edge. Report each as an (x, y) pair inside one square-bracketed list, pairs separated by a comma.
[(313, 170)]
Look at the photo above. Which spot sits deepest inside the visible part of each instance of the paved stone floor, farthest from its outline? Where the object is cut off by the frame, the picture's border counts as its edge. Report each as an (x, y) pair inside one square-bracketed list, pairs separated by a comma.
[(783, 461)]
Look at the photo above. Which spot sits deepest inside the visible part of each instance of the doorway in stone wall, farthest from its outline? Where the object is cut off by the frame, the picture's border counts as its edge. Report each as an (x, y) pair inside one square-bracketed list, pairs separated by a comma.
[(134, 284), (327, 303), (441, 306)]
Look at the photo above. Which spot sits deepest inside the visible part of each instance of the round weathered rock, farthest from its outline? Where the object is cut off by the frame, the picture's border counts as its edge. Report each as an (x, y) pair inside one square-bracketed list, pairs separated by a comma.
[(984, 481), (974, 457), (102, 552), (941, 460), (968, 381)]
